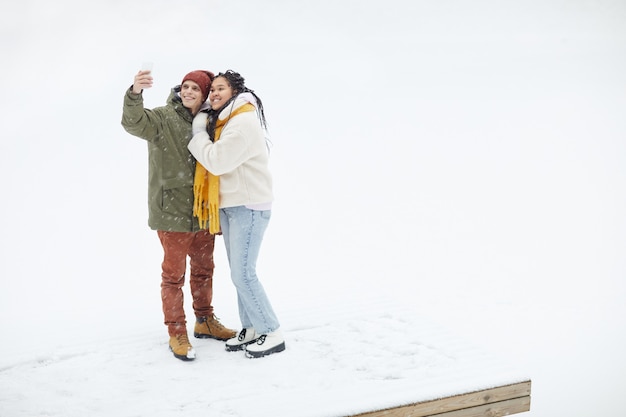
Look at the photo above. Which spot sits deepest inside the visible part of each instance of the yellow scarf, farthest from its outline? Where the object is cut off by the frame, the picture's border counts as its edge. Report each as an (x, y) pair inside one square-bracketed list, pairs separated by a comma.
[(206, 186)]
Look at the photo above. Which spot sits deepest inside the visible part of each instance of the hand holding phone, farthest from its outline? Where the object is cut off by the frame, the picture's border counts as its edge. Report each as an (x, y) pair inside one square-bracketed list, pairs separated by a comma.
[(143, 79)]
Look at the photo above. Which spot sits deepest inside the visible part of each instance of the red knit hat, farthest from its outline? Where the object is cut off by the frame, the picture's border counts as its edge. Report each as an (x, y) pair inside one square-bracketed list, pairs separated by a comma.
[(203, 79)]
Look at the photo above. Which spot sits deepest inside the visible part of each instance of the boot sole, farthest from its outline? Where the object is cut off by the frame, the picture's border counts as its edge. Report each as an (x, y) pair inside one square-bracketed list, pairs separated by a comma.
[(182, 357), (275, 349), (207, 336), (240, 347)]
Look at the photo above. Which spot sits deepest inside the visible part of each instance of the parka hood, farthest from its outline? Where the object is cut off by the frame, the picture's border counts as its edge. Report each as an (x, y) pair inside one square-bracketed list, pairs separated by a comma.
[(174, 100)]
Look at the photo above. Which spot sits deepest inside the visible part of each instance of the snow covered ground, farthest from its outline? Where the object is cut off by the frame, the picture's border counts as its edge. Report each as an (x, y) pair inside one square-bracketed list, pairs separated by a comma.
[(450, 195), (335, 365)]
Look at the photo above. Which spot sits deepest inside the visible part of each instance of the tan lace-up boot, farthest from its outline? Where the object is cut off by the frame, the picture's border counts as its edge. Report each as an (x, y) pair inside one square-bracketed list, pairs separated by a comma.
[(210, 327), (182, 349)]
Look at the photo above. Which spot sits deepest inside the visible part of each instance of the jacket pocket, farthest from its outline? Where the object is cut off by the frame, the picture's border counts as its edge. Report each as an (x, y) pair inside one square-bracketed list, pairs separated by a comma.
[(176, 197), (230, 183)]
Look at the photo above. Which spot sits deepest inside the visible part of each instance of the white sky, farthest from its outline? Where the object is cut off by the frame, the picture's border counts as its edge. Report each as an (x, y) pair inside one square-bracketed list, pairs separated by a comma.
[(467, 158)]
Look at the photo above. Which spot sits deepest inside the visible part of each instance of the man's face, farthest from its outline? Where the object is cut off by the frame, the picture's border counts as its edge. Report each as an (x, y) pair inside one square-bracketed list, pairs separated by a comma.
[(191, 96)]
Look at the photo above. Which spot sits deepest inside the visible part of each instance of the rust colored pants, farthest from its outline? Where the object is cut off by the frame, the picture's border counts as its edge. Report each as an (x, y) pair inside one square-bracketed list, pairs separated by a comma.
[(176, 247)]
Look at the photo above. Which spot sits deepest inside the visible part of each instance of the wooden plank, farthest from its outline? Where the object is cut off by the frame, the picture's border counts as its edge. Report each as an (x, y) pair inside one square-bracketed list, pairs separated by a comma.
[(493, 402), (498, 409)]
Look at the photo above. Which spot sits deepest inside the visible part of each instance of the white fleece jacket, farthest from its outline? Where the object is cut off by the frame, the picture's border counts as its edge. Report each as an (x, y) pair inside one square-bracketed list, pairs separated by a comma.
[(239, 157)]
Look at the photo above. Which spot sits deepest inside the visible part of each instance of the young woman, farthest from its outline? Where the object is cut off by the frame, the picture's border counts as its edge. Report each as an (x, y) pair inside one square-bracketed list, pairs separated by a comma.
[(235, 195)]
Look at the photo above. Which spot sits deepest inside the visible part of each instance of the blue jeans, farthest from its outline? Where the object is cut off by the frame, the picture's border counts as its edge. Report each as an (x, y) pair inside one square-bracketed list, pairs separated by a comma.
[(242, 230)]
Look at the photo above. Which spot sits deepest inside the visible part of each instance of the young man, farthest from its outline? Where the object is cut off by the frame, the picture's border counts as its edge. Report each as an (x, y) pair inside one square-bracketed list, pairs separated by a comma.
[(167, 130)]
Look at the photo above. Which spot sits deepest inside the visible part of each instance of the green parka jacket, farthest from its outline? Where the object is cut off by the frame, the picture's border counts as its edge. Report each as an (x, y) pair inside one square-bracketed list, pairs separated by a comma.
[(171, 168)]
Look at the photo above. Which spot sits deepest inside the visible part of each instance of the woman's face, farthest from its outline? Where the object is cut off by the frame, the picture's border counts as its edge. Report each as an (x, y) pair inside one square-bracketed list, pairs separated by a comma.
[(191, 96), (220, 93)]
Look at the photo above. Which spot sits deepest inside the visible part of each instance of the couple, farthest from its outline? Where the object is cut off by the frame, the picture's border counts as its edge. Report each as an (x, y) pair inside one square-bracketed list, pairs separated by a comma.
[(228, 190)]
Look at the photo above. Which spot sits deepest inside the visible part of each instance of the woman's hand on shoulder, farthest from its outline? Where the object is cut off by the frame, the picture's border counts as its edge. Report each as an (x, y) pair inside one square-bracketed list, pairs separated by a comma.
[(199, 122)]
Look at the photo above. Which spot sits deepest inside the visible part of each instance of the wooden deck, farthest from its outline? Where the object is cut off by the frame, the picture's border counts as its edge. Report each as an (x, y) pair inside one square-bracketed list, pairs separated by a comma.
[(494, 402)]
